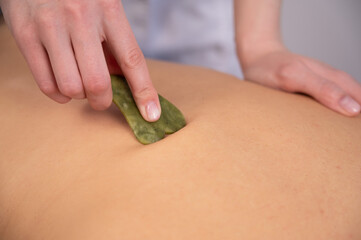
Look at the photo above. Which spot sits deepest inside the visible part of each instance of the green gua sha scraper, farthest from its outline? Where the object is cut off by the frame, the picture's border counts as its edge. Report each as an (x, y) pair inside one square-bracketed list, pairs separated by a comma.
[(170, 121)]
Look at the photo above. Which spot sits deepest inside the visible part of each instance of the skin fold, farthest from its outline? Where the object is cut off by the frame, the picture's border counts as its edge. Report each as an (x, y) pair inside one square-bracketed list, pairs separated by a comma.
[(251, 162)]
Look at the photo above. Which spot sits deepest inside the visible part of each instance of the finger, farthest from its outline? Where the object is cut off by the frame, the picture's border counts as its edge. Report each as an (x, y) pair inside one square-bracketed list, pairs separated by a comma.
[(329, 94), (112, 63), (93, 68), (348, 84), (126, 51), (58, 45), (342, 79), (39, 64)]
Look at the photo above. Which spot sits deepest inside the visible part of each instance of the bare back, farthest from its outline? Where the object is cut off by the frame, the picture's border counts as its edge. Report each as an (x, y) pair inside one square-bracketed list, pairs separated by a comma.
[(252, 163)]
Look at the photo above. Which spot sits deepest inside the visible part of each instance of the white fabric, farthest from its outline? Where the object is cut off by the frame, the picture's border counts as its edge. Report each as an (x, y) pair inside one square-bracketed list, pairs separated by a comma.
[(198, 32)]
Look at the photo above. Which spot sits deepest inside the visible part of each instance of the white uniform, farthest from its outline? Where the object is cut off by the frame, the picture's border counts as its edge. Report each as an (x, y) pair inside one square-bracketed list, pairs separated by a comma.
[(198, 32)]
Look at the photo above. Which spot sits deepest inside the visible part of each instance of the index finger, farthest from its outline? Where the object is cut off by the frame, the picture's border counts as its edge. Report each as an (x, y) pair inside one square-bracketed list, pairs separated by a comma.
[(129, 56)]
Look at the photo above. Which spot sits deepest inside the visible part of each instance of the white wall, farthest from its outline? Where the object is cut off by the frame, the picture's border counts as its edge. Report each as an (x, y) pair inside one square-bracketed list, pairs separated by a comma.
[(328, 30)]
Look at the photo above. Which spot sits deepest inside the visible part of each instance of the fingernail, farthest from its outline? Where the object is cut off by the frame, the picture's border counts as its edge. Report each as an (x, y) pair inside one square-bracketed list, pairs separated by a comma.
[(350, 105), (152, 111)]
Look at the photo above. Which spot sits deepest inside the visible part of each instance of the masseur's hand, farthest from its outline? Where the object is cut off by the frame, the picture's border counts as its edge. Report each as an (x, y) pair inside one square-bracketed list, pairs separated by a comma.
[(62, 41), (265, 60), (278, 68)]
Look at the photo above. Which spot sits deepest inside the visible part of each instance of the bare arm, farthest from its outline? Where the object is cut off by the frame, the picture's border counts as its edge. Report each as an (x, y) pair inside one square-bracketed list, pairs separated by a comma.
[(257, 26), (266, 60)]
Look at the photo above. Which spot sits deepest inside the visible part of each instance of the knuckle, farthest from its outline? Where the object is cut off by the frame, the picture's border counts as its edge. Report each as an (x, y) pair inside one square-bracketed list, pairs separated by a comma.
[(97, 85), (133, 59), (144, 92), (101, 105), (289, 74), (22, 26), (47, 88), (70, 90), (290, 70), (45, 19), (24, 35), (74, 9)]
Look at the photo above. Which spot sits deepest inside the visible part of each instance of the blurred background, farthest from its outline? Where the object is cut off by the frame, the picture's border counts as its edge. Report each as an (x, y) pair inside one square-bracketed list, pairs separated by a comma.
[(328, 30)]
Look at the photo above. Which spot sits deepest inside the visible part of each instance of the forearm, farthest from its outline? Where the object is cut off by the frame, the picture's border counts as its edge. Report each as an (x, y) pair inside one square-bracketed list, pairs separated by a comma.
[(257, 24)]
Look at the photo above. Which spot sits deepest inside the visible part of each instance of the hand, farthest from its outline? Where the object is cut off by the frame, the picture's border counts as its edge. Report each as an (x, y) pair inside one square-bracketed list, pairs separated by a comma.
[(62, 44), (280, 69)]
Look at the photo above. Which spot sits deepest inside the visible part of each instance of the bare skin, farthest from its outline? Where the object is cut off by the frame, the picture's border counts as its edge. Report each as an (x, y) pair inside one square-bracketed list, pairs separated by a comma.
[(63, 42), (252, 162), (265, 60), (66, 38)]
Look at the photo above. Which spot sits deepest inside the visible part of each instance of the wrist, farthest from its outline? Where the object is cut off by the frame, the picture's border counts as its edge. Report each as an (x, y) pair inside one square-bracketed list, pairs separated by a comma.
[(257, 26), (250, 49)]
